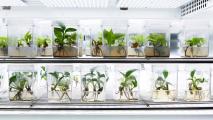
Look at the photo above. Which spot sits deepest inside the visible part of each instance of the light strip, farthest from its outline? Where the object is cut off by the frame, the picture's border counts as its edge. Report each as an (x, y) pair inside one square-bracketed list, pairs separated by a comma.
[(151, 3), (12, 3), (76, 3)]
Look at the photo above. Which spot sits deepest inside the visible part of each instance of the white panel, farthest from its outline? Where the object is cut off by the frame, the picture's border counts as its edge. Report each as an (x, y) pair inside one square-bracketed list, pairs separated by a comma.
[(12, 3), (151, 3), (76, 3)]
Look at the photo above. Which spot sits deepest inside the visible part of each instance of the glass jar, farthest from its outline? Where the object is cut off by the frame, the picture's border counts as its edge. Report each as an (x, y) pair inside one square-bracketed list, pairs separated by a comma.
[(60, 82), (20, 35), (43, 38), (93, 82), (114, 39), (3, 84), (195, 81), (194, 40), (158, 40), (3, 39), (65, 38), (126, 82), (22, 82), (164, 82), (136, 38)]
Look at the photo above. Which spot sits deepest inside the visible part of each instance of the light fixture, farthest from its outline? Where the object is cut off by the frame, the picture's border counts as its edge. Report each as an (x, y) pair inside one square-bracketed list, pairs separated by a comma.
[(151, 3), (76, 3), (12, 3)]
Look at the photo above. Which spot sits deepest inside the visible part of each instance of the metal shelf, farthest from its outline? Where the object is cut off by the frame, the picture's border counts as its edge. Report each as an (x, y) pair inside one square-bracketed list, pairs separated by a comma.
[(106, 60)]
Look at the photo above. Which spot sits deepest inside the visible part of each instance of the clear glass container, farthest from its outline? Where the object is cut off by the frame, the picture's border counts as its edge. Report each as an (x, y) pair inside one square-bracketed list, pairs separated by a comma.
[(136, 39), (126, 82), (92, 45), (43, 37), (114, 39), (195, 82), (22, 82), (3, 39), (164, 82), (194, 40), (65, 38), (59, 83), (3, 84), (93, 82), (21, 40), (158, 40)]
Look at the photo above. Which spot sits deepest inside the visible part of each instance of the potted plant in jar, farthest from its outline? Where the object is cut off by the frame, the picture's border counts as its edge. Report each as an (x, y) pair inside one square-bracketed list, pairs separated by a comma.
[(3, 46), (96, 46), (24, 46), (195, 92), (163, 92), (114, 44), (159, 46), (194, 47), (137, 43), (59, 90), (66, 44), (127, 86), (93, 86), (42, 46), (20, 86)]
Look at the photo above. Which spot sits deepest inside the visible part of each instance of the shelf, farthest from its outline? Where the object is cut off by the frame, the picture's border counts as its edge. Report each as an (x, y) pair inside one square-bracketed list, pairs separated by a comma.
[(106, 60)]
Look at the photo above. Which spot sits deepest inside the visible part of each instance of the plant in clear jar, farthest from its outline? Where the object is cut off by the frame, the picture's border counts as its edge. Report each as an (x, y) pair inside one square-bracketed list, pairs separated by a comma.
[(43, 44), (114, 44), (20, 86), (162, 90), (65, 41), (3, 45), (127, 86), (137, 41), (60, 88), (93, 85), (195, 91), (159, 45), (194, 47), (96, 46)]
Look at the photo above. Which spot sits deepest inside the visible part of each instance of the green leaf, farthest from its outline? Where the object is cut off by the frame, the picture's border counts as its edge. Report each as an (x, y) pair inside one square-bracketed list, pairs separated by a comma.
[(58, 33), (55, 74), (129, 72), (12, 79), (192, 73), (165, 74), (70, 30)]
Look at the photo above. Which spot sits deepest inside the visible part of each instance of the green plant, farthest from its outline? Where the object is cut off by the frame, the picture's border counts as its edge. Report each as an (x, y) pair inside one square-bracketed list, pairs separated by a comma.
[(97, 43), (3, 42), (19, 82), (93, 80), (158, 40), (195, 82), (65, 36), (138, 40), (43, 42), (127, 84), (161, 83), (61, 83), (27, 39), (112, 38), (43, 73), (195, 41)]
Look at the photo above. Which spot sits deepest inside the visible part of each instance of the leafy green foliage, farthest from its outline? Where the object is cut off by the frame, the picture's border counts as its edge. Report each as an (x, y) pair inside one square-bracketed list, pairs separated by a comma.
[(27, 39), (3, 42), (128, 83), (138, 40), (97, 43), (195, 81), (112, 38), (157, 39), (43, 73), (95, 79), (65, 35), (20, 81), (161, 83), (43, 42), (195, 41)]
